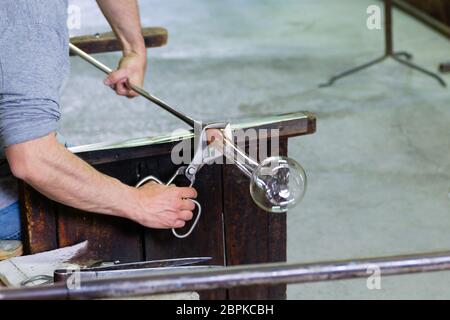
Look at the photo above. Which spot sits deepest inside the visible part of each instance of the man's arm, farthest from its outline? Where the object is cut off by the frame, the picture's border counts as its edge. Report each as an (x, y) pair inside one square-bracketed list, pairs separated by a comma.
[(29, 111), (123, 16), (57, 173)]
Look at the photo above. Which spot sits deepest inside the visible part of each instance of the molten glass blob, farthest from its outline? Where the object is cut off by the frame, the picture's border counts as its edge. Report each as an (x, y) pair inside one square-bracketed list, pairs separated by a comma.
[(278, 184)]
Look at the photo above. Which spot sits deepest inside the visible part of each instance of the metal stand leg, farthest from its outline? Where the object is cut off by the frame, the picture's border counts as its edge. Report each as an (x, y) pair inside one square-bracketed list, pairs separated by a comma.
[(420, 69), (352, 71), (388, 54), (404, 54)]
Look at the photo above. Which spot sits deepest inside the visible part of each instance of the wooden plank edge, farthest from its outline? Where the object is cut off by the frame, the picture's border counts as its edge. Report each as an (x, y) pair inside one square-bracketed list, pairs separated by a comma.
[(107, 42)]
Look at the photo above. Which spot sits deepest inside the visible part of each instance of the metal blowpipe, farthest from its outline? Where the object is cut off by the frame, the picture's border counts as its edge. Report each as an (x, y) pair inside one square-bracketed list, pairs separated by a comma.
[(139, 90)]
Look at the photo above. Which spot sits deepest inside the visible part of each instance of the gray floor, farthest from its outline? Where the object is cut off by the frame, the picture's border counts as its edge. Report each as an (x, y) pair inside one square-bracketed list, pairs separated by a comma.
[(379, 165)]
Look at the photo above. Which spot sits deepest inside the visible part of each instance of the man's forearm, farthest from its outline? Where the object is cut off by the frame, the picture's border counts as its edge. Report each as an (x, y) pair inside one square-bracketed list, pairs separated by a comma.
[(123, 16), (61, 176), (58, 174)]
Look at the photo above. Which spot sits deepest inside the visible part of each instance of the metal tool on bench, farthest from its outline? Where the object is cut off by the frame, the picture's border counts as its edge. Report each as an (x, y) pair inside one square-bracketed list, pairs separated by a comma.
[(143, 268), (283, 190)]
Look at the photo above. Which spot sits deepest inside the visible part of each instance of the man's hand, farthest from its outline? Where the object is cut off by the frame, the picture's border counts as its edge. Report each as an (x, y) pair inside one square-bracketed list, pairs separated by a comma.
[(123, 16), (164, 207), (131, 69)]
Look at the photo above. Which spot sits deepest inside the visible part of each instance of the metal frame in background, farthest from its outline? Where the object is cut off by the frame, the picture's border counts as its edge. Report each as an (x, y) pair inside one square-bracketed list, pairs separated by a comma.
[(389, 53), (235, 276)]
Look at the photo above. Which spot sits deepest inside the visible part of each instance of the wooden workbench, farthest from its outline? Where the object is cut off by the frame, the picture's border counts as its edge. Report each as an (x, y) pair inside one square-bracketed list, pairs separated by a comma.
[(232, 229)]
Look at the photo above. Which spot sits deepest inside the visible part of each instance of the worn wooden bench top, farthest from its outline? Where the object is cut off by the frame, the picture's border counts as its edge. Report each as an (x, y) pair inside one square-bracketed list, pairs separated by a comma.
[(288, 125)]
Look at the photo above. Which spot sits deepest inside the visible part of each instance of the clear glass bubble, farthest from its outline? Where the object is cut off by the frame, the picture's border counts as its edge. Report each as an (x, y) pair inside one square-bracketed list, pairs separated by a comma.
[(278, 184)]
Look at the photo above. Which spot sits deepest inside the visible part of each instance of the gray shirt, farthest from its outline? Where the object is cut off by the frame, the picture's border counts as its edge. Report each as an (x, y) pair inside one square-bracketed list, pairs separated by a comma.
[(34, 62)]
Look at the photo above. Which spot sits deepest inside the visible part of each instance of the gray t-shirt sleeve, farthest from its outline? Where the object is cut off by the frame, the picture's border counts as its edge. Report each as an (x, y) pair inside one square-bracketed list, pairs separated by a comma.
[(33, 64)]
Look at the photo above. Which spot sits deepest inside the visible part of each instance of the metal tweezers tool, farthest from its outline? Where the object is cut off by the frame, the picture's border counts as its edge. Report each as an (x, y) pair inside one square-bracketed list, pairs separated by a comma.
[(202, 156)]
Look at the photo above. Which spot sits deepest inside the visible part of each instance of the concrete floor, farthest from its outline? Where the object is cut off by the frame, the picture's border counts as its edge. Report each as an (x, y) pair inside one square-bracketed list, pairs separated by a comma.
[(379, 165)]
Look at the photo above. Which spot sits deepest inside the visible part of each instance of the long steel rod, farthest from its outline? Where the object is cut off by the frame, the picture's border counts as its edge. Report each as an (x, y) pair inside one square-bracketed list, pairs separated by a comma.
[(136, 88), (263, 274)]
